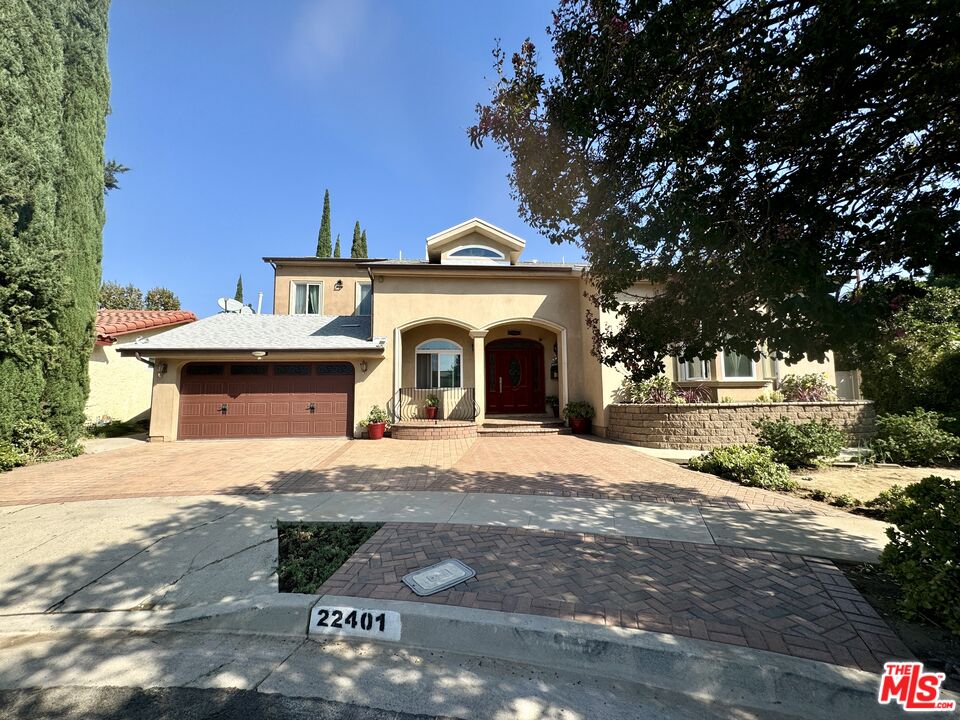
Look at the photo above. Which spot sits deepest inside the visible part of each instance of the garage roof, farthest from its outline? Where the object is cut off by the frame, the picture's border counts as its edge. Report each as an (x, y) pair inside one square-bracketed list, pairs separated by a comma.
[(111, 323), (232, 331)]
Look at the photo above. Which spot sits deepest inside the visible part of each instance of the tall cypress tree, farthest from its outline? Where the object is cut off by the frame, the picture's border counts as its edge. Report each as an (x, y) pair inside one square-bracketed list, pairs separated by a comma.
[(336, 248), (323, 239), (363, 244), (238, 295), (82, 25), (356, 248), (31, 63)]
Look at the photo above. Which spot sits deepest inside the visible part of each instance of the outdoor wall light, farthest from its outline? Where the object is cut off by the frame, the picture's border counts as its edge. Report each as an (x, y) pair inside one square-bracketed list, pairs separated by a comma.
[(363, 365), (259, 354), (161, 369), (338, 285)]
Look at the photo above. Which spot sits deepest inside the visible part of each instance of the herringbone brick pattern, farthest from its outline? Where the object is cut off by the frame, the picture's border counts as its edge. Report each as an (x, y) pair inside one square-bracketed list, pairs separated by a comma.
[(783, 603)]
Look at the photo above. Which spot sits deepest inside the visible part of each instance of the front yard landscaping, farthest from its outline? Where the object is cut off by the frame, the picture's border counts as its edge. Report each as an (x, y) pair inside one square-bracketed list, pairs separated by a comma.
[(309, 553)]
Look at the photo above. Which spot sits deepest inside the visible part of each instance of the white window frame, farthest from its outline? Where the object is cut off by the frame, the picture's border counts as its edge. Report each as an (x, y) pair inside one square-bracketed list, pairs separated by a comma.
[(293, 296), (683, 370), (722, 369), (451, 259), (420, 350), (361, 283)]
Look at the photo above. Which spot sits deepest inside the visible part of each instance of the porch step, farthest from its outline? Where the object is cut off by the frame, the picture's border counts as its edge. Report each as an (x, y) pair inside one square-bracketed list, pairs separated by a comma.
[(521, 431), (510, 426)]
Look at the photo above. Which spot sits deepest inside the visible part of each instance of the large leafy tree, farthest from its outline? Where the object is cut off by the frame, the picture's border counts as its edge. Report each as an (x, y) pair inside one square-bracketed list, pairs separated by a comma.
[(763, 163), (114, 296), (161, 298), (323, 238)]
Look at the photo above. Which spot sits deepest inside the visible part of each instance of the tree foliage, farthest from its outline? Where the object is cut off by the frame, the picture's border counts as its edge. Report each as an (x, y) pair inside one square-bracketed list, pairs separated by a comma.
[(111, 172), (356, 247), (754, 160), (914, 358), (114, 296), (238, 295), (323, 238), (336, 248), (53, 101), (363, 244), (161, 298)]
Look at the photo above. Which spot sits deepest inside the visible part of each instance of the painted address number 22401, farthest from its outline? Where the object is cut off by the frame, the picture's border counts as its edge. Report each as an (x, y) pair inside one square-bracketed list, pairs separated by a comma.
[(355, 622)]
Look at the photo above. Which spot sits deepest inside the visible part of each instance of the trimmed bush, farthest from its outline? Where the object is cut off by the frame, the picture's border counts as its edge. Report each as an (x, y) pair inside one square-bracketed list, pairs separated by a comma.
[(884, 503), (915, 439), (799, 445), (923, 554), (9, 456), (751, 465)]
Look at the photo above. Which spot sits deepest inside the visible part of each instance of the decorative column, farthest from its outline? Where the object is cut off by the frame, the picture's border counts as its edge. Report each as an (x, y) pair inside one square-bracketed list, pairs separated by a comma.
[(479, 373), (397, 372), (563, 369)]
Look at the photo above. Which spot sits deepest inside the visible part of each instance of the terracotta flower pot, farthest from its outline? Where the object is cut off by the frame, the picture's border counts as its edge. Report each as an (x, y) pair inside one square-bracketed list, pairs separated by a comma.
[(431, 411), (580, 426), (375, 430)]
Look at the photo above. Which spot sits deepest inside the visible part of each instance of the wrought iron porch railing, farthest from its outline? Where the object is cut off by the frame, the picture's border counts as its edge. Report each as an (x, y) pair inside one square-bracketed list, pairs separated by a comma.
[(452, 404)]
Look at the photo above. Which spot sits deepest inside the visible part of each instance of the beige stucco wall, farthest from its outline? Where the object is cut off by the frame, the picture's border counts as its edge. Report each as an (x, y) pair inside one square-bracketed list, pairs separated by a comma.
[(120, 387), (333, 302)]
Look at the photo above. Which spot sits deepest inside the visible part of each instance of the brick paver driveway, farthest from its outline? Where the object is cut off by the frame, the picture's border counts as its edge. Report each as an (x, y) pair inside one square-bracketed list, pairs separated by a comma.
[(550, 465)]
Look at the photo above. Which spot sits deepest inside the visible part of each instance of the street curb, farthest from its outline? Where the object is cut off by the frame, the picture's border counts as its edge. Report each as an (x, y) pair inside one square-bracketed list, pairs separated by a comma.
[(727, 674)]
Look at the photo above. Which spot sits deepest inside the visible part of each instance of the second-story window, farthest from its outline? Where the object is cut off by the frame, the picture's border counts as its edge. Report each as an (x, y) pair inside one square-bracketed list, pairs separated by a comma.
[(364, 298), (306, 298)]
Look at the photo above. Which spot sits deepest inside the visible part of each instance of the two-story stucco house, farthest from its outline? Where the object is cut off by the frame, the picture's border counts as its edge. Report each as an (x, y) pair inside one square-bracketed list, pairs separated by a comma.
[(472, 324)]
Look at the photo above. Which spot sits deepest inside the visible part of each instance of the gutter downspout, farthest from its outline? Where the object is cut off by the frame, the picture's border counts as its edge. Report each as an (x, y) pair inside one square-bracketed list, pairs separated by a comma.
[(145, 361)]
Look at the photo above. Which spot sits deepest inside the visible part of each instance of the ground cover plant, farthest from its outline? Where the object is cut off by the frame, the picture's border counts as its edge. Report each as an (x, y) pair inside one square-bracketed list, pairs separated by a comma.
[(751, 465), (309, 553)]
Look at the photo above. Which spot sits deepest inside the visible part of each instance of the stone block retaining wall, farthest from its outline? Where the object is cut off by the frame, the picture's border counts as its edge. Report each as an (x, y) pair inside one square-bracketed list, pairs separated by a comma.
[(702, 426)]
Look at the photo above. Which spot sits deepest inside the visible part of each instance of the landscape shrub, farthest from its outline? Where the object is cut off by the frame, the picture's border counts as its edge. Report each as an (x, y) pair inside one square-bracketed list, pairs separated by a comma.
[(885, 502), (923, 554), (695, 394), (774, 396), (915, 438), (751, 465), (812, 387), (798, 445), (9, 456), (658, 389)]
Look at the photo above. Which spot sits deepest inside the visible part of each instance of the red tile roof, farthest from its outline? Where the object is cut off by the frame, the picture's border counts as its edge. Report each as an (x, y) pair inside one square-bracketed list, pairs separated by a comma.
[(111, 323)]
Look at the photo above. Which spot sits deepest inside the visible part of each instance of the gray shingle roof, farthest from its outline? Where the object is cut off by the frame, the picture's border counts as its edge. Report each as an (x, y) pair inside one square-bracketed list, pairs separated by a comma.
[(230, 331)]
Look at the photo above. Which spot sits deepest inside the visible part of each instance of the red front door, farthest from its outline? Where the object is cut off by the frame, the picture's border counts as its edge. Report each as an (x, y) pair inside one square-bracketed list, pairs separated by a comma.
[(515, 377)]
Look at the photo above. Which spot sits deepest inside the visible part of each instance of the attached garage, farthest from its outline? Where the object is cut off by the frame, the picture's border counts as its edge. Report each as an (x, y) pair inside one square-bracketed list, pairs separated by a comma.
[(265, 399)]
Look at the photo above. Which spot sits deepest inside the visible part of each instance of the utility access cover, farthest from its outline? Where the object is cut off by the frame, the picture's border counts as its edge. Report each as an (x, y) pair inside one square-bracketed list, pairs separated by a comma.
[(433, 579)]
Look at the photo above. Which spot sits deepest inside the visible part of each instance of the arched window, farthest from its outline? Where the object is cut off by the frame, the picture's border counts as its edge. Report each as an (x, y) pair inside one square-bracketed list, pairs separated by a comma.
[(477, 251), (439, 364)]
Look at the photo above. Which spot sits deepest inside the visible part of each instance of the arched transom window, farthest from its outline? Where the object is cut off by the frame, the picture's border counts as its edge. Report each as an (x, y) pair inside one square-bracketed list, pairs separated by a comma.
[(475, 254), (439, 364)]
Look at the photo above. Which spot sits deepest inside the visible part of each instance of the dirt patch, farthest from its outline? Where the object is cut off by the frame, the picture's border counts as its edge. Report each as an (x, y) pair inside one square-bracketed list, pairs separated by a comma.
[(865, 482), (935, 646)]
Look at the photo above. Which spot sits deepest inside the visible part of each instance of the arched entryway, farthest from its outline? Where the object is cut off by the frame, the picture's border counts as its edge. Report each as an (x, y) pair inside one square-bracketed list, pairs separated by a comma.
[(515, 376)]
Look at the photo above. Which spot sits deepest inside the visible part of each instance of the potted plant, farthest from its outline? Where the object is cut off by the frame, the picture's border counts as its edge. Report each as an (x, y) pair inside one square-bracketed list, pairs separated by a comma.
[(553, 402), (579, 414), (375, 422), (430, 406)]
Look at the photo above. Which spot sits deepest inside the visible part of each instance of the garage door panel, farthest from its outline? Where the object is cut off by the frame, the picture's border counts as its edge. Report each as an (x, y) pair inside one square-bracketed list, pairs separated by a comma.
[(264, 402)]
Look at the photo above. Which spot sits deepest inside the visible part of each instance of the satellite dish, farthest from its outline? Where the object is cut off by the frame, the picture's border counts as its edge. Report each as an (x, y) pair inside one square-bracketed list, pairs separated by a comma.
[(246, 310), (230, 305)]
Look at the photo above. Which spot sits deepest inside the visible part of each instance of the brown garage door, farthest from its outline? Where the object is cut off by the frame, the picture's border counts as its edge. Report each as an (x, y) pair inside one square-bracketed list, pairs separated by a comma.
[(245, 400)]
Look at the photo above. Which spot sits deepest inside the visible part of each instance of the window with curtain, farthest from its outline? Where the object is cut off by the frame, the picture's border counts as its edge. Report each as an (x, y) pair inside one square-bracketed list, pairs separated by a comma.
[(306, 298), (737, 366), (439, 364), (695, 369), (364, 298)]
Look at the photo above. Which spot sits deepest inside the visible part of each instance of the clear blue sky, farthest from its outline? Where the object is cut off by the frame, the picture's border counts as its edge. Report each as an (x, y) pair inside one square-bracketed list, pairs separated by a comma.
[(234, 115)]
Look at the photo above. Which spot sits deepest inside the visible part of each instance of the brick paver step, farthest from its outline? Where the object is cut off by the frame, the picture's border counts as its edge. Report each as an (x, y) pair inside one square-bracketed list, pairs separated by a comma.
[(784, 603)]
